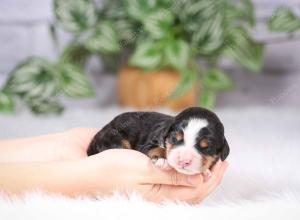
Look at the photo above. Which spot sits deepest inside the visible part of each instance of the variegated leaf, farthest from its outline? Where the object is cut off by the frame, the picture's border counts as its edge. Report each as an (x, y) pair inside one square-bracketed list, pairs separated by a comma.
[(104, 39), (73, 82), (244, 50), (75, 15), (146, 55), (284, 20), (177, 54)]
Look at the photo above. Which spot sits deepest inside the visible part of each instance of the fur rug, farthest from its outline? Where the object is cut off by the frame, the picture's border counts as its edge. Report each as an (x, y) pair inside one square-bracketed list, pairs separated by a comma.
[(262, 180)]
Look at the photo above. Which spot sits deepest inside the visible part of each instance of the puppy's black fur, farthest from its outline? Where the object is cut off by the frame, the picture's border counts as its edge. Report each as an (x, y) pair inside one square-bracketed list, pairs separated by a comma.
[(146, 131)]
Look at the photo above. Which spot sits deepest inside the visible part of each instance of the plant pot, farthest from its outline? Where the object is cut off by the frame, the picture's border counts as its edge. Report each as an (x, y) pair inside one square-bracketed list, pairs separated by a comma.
[(151, 89)]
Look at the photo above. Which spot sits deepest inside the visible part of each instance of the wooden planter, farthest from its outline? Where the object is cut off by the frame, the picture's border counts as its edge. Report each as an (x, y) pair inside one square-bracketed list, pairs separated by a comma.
[(146, 90)]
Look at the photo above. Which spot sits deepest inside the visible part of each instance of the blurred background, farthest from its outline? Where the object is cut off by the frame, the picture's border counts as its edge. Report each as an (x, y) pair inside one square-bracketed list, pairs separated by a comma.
[(268, 90)]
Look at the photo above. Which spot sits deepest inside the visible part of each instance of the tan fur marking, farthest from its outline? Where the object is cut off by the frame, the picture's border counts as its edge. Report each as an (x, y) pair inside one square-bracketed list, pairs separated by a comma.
[(204, 143), (208, 161), (179, 136), (157, 152), (126, 144)]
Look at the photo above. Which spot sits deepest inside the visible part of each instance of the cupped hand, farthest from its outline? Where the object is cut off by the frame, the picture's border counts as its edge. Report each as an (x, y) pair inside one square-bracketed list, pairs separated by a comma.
[(127, 171)]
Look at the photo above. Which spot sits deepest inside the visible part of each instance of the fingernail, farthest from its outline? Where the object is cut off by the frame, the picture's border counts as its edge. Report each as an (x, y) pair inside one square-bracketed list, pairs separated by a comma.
[(193, 179)]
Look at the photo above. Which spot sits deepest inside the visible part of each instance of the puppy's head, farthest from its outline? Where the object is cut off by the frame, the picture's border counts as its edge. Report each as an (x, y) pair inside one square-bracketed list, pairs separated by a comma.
[(196, 141)]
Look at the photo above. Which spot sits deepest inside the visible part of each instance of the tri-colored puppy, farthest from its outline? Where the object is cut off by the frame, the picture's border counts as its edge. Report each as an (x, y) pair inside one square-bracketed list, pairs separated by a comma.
[(191, 142)]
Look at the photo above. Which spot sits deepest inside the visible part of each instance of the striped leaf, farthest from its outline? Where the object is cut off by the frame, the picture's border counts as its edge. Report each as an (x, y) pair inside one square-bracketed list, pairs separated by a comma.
[(187, 80), (158, 23), (204, 21), (210, 36), (244, 50), (207, 98), (177, 54), (6, 102), (237, 11), (284, 20), (44, 106), (216, 79), (33, 78), (147, 55), (73, 82), (75, 15), (138, 9), (104, 39)]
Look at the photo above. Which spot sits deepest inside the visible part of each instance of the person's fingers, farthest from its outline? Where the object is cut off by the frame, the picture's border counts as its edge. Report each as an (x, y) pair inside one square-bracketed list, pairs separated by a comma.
[(160, 193), (218, 176), (171, 177), (214, 172)]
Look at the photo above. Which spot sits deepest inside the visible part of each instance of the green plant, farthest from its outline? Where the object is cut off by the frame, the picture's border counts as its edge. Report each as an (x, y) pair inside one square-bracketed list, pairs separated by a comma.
[(156, 33)]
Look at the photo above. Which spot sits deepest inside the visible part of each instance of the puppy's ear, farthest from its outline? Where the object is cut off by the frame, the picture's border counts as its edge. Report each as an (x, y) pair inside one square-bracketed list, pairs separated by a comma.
[(225, 150)]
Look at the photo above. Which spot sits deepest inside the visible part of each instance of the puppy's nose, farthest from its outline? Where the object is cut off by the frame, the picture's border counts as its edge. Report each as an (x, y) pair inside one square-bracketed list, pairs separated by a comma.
[(184, 162), (185, 159)]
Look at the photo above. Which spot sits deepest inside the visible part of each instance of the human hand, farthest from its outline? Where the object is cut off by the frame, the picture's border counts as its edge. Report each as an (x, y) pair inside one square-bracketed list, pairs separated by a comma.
[(127, 171)]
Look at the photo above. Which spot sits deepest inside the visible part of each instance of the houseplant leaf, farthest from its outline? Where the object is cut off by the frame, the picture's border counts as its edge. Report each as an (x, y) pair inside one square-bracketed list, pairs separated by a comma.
[(244, 50), (237, 11), (33, 78), (187, 79), (104, 39), (73, 82), (147, 55), (75, 15), (158, 23), (283, 20), (138, 9), (177, 54), (216, 79), (204, 21), (207, 98), (6, 102), (74, 52), (44, 106), (35, 82)]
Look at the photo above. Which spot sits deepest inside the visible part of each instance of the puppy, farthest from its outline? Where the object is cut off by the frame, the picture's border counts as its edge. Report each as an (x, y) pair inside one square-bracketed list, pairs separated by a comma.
[(191, 142)]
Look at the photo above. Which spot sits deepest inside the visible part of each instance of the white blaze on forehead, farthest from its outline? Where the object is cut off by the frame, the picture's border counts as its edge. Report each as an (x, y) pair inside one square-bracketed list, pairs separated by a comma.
[(192, 129)]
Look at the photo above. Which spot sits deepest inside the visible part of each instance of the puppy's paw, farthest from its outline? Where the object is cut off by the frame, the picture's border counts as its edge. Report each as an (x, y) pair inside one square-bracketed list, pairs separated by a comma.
[(162, 163)]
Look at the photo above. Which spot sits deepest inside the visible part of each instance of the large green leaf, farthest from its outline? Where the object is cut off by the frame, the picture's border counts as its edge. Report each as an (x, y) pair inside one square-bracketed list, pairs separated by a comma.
[(244, 50), (6, 102), (210, 35), (159, 23), (44, 106), (284, 20), (73, 82), (187, 79), (138, 9), (75, 53), (216, 79), (75, 15), (237, 11), (207, 98), (177, 54), (204, 22), (147, 55), (104, 39), (33, 78)]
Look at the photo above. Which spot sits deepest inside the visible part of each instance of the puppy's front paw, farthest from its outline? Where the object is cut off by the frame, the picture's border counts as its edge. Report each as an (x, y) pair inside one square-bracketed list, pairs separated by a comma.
[(162, 163)]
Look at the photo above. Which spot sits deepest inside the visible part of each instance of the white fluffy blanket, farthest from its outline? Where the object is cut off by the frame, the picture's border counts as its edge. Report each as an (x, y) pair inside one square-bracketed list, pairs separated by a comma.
[(262, 181)]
